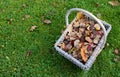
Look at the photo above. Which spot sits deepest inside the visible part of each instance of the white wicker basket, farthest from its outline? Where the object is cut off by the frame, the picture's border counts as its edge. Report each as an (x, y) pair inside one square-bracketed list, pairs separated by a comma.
[(106, 29)]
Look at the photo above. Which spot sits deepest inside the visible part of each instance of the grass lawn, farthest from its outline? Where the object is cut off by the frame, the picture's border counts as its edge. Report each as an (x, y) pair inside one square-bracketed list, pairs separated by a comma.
[(25, 53)]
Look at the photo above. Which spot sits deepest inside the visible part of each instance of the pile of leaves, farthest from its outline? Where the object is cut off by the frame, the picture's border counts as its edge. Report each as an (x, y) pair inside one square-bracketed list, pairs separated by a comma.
[(83, 38)]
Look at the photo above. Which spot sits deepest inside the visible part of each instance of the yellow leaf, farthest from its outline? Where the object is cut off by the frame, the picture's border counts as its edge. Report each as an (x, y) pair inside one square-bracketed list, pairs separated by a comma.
[(80, 15), (82, 52)]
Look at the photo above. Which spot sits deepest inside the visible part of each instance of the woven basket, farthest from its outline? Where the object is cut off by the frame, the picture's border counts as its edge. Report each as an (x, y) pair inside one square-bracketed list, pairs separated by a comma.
[(106, 29)]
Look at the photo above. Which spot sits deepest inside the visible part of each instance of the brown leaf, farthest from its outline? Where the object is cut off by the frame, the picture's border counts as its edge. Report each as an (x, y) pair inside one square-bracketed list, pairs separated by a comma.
[(26, 17), (96, 5), (116, 51), (47, 21), (33, 28), (29, 53), (114, 3)]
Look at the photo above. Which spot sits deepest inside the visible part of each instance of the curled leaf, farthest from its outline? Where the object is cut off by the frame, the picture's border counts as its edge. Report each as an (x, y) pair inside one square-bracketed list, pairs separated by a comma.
[(33, 28)]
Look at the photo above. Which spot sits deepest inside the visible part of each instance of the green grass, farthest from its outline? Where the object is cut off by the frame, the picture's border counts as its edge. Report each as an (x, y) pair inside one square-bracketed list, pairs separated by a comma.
[(16, 40)]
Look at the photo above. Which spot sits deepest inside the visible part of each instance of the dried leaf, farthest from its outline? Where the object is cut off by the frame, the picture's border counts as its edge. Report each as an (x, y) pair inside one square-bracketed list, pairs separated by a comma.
[(99, 15), (76, 24), (114, 3), (33, 28), (76, 54), (96, 5), (81, 44), (97, 26), (76, 43), (80, 15), (88, 39), (26, 17), (10, 21), (116, 51), (82, 52), (115, 59), (29, 53), (47, 21), (69, 46), (24, 5), (96, 40)]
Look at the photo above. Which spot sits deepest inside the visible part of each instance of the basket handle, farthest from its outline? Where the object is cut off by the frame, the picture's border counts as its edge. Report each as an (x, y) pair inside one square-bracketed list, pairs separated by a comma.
[(91, 15)]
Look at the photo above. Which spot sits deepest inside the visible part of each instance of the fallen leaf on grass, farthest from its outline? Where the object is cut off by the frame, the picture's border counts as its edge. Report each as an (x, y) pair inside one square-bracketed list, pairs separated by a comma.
[(116, 51), (114, 3), (99, 15), (28, 53), (10, 21), (26, 17), (115, 59), (33, 28), (96, 5), (47, 21), (24, 5)]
